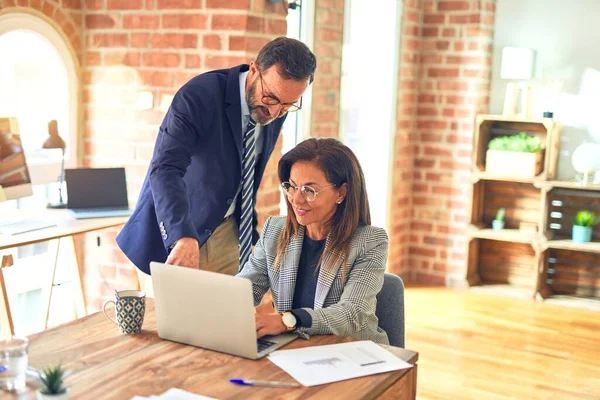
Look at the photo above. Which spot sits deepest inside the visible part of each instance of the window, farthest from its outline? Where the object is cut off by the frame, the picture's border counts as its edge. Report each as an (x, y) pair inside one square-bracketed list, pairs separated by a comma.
[(38, 83)]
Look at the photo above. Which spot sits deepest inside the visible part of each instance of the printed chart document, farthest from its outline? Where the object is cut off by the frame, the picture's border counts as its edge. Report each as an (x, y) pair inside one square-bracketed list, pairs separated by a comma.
[(318, 365), (174, 394)]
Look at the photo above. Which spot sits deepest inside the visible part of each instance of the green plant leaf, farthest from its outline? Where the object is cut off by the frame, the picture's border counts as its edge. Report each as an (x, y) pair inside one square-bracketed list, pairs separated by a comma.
[(500, 214), (517, 143), (585, 218), (52, 380)]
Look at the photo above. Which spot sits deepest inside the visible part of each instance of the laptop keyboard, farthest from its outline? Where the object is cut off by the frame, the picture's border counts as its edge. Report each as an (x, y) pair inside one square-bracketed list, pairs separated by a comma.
[(264, 344)]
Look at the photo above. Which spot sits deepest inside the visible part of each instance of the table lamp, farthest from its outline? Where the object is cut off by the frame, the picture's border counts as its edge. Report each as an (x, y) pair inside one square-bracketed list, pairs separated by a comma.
[(585, 160), (517, 65), (56, 142)]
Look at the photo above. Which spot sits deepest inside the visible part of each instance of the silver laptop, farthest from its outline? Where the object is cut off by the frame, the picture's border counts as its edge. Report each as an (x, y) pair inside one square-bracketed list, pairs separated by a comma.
[(209, 310)]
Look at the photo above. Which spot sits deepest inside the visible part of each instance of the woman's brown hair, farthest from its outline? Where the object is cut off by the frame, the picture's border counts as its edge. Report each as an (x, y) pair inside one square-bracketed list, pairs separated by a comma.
[(340, 166)]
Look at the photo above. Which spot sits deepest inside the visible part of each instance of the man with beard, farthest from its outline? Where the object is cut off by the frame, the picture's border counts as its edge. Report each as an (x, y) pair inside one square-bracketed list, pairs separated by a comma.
[(196, 207)]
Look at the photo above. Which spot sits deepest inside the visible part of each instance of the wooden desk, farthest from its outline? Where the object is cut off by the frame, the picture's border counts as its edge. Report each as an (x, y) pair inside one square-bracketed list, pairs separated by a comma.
[(109, 365), (66, 226)]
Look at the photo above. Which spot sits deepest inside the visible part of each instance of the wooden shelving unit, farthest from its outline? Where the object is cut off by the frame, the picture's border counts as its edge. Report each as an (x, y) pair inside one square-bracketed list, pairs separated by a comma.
[(541, 264)]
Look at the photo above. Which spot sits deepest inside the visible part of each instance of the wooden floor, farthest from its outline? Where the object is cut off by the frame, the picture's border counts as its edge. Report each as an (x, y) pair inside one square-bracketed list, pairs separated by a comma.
[(474, 345)]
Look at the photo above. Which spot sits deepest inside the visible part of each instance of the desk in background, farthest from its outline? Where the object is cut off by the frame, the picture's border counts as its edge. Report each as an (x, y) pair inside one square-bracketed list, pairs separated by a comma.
[(66, 227), (109, 365)]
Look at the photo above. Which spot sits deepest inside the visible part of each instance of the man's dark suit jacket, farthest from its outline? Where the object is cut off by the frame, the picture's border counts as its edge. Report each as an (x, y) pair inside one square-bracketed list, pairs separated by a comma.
[(195, 170)]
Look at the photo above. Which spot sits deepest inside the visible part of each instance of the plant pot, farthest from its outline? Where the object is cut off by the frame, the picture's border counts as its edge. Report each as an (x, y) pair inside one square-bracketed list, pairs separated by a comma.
[(510, 163), (582, 234), (62, 396), (497, 225)]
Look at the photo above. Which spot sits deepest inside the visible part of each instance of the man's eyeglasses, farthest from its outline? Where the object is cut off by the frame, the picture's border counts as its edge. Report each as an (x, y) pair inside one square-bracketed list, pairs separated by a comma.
[(274, 101), (309, 193)]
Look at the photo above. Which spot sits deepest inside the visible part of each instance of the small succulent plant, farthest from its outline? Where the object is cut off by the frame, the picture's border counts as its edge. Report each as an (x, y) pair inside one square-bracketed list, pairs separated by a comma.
[(500, 214), (586, 218), (52, 380)]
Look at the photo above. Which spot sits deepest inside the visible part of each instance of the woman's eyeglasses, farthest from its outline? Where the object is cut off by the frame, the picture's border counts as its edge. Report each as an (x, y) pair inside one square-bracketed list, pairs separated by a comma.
[(309, 193)]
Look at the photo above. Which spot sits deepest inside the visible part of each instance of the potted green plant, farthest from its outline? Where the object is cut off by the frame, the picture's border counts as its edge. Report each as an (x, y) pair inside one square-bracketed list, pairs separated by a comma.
[(515, 155), (52, 384), (582, 226), (498, 222)]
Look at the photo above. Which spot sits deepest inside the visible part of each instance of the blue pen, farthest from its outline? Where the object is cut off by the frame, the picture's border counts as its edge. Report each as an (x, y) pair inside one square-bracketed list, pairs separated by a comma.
[(246, 382), (3, 368)]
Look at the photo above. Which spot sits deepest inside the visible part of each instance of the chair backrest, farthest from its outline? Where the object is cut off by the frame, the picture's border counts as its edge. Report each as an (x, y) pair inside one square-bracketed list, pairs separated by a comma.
[(390, 309)]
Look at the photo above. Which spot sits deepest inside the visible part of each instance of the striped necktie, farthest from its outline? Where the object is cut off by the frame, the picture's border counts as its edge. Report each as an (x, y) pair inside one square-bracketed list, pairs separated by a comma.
[(247, 192)]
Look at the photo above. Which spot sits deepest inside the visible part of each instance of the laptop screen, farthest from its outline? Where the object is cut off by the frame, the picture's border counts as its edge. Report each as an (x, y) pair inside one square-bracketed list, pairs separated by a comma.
[(96, 188)]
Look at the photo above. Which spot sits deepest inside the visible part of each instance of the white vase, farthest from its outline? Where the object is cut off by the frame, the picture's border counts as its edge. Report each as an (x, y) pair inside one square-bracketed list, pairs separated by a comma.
[(62, 396)]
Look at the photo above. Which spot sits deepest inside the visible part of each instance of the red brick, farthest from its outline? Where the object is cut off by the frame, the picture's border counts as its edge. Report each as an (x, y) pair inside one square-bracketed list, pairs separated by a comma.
[(453, 5), (430, 32), (255, 24), (465, 19), (140, 40), (279, 27), (443, 72), (140, 21), (165, 60), (212, 42), (174, 40), (75, 4), (94, 4), (181, 4), (434, 18), (228, 22), (216, 62), (421, 251), (230, 4), (156, 78), (124, 4), (181, 78), (110, 40), (437, 152), (184, 21), (193, 61), (449, 32), (99, 21), (92, 58), (129, 59), (48, 9)]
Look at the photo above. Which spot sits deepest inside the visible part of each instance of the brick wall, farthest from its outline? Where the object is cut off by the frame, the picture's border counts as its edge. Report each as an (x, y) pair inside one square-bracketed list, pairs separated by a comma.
[(454, 66), (328, 35), (128, 47), (156, 46), (403, 163)]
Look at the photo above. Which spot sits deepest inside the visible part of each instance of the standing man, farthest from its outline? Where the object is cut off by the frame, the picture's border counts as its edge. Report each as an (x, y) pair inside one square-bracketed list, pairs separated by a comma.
[(196, 207)]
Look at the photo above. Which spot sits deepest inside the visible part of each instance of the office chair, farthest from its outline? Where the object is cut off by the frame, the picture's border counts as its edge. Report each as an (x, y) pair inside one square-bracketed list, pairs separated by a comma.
[(390, 309)]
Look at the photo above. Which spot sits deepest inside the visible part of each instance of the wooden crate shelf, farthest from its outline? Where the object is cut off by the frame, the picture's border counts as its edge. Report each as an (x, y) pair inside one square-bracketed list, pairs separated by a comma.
[(561, 206), (570, 273), (505, 235), (522, 202), (498, 262), (486, 176), (546, 264), (567, 244), (487, 127)]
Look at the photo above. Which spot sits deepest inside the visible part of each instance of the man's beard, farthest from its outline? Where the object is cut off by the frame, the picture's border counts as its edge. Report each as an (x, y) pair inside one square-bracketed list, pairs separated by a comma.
[(253, 108)]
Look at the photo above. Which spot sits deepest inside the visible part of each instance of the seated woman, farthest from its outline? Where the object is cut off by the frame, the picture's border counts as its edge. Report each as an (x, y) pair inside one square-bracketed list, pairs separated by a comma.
[(324, 262)]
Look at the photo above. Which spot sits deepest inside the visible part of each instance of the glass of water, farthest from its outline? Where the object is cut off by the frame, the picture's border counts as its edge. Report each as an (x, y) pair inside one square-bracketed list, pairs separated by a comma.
[(13, 363)]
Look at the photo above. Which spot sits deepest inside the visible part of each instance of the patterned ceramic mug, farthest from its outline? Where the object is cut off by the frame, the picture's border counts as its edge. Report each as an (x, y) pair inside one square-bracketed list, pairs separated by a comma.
[(130, 306)]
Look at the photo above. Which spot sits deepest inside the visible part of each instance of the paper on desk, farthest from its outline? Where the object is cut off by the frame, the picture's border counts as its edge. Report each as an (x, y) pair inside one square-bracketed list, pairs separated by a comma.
[(174, 394), (318, 365)]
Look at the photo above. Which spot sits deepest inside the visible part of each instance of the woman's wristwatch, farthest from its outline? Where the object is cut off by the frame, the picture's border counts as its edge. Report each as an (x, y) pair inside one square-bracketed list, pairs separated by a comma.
[(289, 320)]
